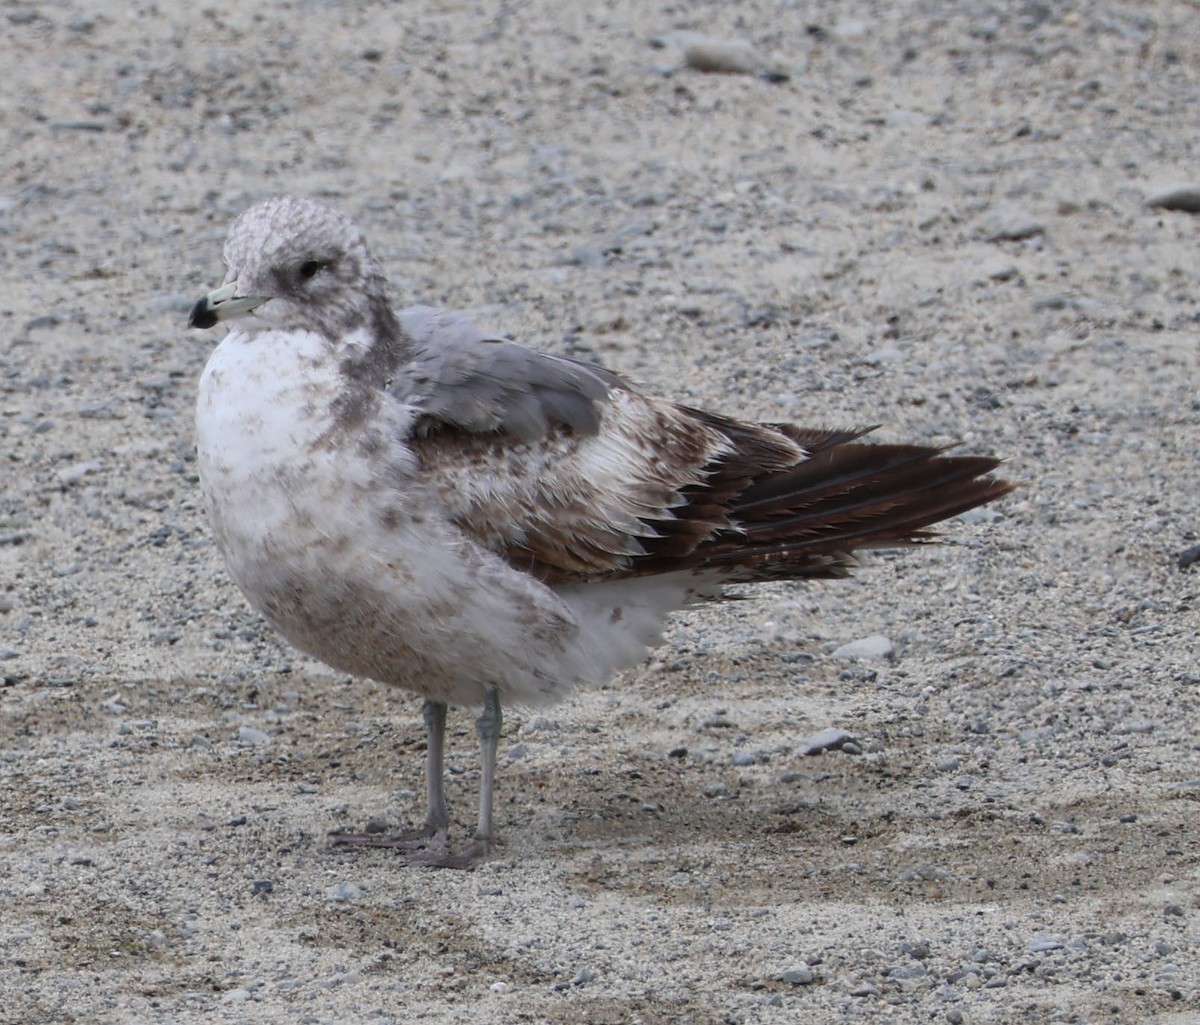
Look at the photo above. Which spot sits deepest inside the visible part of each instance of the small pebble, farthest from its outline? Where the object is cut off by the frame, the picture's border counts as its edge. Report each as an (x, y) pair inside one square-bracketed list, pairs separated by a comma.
[(802, 976), (874, 647), (736, 56), (585, 256), (829, 739), (77, 125), (888, 354), (1184, 197), (1188, 556), (73, 474), (1011, 226), (980, 514), (344, 891), (249, 735), (910, 971), (729, 57)]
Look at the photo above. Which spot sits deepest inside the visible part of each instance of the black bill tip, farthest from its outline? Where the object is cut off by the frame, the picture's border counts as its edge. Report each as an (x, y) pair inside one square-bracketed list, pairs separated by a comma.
[(202, 315)]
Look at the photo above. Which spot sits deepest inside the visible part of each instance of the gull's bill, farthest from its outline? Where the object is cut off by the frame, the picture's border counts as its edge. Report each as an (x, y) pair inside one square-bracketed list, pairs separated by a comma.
[(223, 303)]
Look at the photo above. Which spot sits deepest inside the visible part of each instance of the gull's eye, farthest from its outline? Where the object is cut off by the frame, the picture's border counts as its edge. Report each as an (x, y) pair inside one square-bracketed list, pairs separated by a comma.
[(309, 268)]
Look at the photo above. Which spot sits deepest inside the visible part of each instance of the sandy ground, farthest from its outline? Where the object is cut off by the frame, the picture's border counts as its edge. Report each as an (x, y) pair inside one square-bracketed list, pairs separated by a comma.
[(936, 223)]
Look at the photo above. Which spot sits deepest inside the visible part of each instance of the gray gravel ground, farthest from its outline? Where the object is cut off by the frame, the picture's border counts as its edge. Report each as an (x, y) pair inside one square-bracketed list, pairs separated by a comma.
[(931, 216)]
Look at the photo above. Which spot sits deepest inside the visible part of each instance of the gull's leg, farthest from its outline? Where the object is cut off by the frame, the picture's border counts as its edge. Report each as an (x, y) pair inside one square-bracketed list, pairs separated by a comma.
[(437, 819), (487, 726), (437, 822)]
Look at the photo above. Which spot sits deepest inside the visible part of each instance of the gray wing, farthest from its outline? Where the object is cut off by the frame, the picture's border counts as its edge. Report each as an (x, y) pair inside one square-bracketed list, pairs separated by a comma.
[(462, 377)]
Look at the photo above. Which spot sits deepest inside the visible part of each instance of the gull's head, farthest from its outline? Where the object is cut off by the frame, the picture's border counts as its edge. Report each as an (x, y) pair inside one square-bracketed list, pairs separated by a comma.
[(295, 264)]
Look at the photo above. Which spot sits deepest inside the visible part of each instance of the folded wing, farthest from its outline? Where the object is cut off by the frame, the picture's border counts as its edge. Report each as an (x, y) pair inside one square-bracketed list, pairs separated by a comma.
[(572, 475)]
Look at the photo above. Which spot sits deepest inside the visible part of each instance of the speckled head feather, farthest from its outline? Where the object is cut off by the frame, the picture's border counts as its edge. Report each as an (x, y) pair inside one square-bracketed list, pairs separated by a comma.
[(310, 262)]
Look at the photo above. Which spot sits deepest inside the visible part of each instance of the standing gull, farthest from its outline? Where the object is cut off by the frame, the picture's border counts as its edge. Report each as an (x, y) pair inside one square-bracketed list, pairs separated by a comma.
[(411, 500)]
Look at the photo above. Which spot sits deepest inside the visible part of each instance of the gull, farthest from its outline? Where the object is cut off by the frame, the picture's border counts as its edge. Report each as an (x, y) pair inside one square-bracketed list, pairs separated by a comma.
[(410, 499)]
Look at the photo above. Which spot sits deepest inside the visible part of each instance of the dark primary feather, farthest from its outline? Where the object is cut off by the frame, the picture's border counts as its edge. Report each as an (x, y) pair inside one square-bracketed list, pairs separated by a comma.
[(806, 521)]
